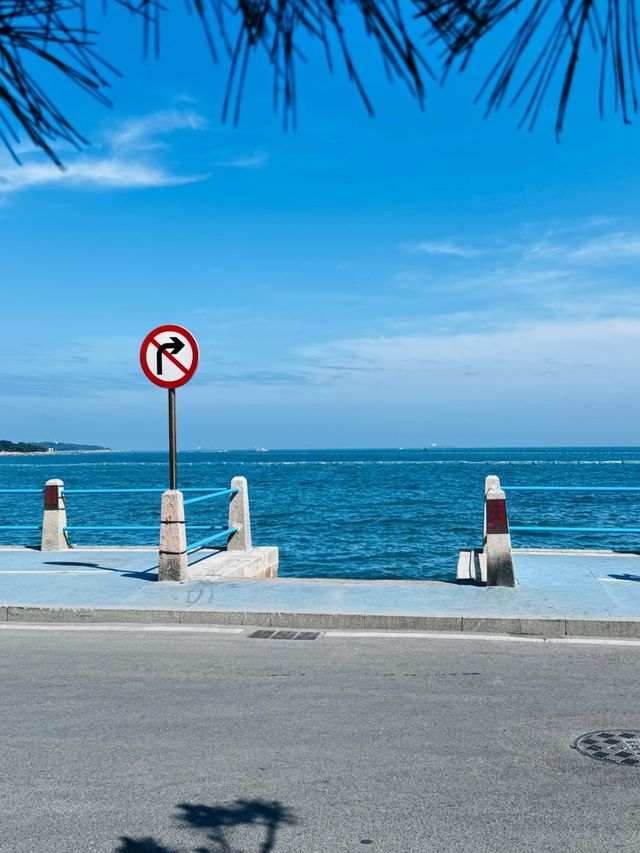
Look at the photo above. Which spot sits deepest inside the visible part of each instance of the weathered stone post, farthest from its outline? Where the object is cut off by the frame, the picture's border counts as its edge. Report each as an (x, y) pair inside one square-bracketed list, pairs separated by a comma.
[(497, 539), (172, 561), (239, 516), (54, 518)]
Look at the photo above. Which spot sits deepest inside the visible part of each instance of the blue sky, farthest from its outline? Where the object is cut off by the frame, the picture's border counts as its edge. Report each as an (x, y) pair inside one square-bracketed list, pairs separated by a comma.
[(420, 277)]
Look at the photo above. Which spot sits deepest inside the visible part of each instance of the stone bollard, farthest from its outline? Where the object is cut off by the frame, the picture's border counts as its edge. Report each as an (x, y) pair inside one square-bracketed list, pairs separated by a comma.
[(497, 540), (239, 516), (172, 561), (54, 518)]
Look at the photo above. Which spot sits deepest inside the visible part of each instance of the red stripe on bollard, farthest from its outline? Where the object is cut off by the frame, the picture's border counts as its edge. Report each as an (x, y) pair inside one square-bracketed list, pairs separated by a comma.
[(51, 497), (497, 516)]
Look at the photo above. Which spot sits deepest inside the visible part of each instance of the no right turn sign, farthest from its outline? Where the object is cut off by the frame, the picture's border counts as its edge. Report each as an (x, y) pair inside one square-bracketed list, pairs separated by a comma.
[(169, 356)]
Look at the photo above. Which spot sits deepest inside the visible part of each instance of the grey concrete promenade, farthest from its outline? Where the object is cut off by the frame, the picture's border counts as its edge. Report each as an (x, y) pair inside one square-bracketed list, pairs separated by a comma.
[(139, 741), (558, 594)]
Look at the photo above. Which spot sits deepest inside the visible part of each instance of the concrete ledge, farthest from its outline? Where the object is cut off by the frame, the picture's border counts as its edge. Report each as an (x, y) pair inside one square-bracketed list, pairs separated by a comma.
[(255, 563), (611, 628), (472, 568), (19, 613), (345, 621), (522, 627), (446, 624), (544, 628), (225, 617)]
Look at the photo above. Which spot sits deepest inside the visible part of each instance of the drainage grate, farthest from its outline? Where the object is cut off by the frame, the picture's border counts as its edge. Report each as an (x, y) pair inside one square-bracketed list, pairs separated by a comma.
[(262, 634), (620, 746)]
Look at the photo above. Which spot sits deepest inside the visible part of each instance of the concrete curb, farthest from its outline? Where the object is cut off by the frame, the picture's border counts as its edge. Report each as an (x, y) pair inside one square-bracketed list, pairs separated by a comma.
[(536, 627)]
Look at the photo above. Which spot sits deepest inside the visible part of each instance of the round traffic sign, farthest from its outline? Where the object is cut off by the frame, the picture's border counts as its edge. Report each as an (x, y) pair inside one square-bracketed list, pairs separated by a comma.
[(169, 356)]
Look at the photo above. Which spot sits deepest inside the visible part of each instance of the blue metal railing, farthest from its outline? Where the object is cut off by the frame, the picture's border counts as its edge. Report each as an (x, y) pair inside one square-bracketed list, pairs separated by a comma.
[(222, 531), (571, 488), (539, 528), (207, 539)]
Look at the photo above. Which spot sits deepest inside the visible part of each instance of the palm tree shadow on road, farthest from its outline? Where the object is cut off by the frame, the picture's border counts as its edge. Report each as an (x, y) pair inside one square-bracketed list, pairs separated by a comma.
[(216, 821)]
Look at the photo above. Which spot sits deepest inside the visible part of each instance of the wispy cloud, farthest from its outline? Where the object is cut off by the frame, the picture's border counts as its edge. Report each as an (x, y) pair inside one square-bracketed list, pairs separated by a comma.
[(609, 248), (543, 272), (442, 247), (142, 132), (606, 248), (249, 161), (120, 161), (106, 173), (511, 356)]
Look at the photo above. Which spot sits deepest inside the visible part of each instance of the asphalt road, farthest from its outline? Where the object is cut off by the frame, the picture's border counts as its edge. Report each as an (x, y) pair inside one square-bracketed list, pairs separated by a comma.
[(142, 742)]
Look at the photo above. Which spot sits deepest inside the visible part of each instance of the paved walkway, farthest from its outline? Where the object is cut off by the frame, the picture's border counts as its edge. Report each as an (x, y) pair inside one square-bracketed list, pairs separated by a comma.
[(558, 593)]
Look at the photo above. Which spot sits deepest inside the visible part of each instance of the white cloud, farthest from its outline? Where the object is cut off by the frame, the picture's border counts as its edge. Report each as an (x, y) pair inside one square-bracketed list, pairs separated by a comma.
[(526, 358), (619, 245), (441, 248), (141, 132), (606, 248), (122, 162), (255, 160), (105, 173), (598, 221)]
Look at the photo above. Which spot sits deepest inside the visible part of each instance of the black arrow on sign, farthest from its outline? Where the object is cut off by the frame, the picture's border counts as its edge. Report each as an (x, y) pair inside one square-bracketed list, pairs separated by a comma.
[(173, 347)]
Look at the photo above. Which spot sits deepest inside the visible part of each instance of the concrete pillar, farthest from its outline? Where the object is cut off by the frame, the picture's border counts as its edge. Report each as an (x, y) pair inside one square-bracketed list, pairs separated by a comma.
[(239, 516), (172, 561), (497, 543), (54, 518)]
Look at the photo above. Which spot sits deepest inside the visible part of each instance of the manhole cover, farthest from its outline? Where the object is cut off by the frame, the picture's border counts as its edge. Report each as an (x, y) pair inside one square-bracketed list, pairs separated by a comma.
[(621, 746)]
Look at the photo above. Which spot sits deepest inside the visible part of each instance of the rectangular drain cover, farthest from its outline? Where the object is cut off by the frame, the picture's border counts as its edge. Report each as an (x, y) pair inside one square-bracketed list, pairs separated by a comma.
[(262, 634)]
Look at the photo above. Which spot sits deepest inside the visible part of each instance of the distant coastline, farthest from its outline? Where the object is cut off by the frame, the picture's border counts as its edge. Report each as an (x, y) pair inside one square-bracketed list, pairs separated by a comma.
[(47, 448), (51, 452)]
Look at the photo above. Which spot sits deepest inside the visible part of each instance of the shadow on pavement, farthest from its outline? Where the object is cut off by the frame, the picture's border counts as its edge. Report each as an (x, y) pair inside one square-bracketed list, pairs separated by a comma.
[(143, 574), (215, 823)]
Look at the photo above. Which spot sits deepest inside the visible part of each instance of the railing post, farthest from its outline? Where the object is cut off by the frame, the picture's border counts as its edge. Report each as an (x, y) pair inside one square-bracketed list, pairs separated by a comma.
[(54, 518), (172, 560), (239, 516), (497, 539)]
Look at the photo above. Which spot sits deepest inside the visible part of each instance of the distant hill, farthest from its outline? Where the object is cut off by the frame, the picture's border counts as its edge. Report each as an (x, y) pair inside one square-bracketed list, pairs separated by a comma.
[(21, 447), (44, 446)]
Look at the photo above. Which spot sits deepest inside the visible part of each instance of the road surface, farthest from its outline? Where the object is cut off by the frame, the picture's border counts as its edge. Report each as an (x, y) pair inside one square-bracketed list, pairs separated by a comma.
[(141, 741)]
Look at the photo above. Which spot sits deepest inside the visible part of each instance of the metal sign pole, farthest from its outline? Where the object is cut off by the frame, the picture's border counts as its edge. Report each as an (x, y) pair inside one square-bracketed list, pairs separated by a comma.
[(169, 358), (173, 462)]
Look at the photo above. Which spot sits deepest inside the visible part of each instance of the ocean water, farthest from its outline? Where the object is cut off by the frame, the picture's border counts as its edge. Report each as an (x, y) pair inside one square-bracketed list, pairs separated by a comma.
[(346, 513)]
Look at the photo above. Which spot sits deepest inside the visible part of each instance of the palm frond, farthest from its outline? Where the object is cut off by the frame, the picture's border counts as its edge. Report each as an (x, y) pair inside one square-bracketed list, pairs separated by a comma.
[(57, 32), (550, 38)]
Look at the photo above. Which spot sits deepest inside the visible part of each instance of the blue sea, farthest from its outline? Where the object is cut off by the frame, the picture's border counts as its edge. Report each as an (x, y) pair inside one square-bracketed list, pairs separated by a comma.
[(345, 513)]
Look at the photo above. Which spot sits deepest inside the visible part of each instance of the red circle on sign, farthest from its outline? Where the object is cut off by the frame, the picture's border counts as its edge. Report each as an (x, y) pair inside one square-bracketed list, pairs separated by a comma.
[(156, 354)]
